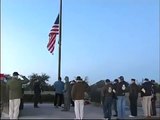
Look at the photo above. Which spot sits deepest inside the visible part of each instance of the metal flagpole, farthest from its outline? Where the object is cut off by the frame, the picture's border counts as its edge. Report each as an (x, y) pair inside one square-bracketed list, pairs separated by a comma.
[(60, 39)]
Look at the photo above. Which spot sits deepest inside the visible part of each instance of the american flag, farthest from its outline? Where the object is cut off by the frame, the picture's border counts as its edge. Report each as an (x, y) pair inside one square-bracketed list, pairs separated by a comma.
[(52, 35)]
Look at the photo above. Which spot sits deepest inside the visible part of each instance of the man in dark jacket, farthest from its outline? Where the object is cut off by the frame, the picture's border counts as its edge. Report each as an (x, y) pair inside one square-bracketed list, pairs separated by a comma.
[(133, 96), (77, 93), (153, 99), (146, 92), (37, 93), (114, 101), (107, 94), (120, 92)]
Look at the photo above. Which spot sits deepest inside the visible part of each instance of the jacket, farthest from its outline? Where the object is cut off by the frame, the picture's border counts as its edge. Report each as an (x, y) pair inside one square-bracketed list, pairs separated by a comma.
[(15, 87), (146, 89), (67, 89), (121, 89), (78, 90), (114, 87), (37, 88), (107, 90), (133, 90), (59, 87)]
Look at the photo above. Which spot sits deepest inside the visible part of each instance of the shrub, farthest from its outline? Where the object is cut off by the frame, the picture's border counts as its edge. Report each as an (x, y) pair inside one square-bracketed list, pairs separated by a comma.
[(45, 98)]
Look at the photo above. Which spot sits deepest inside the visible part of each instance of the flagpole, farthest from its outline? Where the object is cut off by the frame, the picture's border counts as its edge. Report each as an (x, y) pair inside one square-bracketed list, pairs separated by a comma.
[(60, 39)]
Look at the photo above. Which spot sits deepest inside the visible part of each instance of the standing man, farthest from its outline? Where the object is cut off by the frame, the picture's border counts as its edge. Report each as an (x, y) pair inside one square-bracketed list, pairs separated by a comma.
[(146, 92), (107, 94), (15, 94), (153, 99), (77, 94), (72, 83), (120, 92), (67, 94), (37, 92), (114, 100), (133, 96), (59, 87)]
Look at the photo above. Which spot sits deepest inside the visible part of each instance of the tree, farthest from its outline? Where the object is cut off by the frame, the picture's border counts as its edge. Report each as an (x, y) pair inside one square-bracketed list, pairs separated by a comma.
[(43, 78)]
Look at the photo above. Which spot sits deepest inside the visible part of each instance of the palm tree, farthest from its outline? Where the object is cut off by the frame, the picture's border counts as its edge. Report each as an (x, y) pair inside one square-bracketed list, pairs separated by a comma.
[(42, 78)]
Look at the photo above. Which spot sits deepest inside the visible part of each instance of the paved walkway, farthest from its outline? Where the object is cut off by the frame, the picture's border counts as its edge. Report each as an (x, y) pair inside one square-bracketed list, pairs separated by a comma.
[(48, 111)]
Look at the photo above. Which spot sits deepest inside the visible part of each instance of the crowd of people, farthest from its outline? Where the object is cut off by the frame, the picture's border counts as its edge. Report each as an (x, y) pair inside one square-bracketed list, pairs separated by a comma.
[(113, 95), (68, 92), (13, 89)]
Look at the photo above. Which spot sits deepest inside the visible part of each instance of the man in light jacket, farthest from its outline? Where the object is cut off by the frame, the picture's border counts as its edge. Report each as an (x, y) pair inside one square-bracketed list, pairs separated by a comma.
[(77, 94), (67, 94), (58, 87), (15, 94), (146, 92)]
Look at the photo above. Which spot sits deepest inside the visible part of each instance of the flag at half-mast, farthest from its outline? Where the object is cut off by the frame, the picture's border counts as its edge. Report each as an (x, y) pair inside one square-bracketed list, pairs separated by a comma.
[(52, 35)]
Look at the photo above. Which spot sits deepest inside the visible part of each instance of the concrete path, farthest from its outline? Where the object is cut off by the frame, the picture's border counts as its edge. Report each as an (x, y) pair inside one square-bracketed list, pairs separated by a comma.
[(48, 111)]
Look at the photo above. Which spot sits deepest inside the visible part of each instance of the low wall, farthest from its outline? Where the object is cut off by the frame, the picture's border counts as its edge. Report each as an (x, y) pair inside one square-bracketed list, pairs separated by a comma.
[(43, 93)]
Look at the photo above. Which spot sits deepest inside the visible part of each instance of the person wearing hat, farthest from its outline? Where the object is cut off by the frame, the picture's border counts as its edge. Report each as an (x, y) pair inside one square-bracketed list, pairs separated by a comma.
[(146, 92), (15, 94), (114, 100), (133, 96), (120, 91), (107, 93), (77, 93)]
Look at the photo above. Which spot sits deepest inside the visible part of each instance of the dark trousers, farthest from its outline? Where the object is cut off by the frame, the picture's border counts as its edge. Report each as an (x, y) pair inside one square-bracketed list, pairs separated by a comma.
[(107, 108), (37, 99), (133, 105), (58, 99), (153, 110), (72, 102), (0, 108), (21, 104), (114, 103)]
